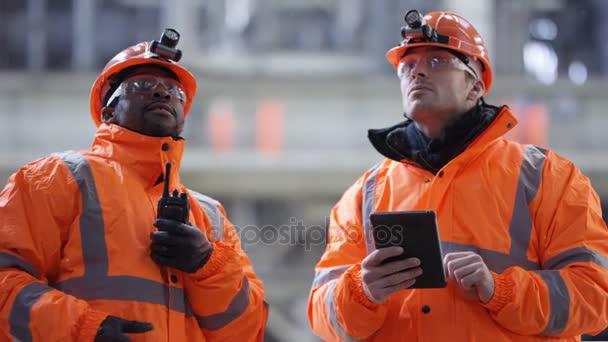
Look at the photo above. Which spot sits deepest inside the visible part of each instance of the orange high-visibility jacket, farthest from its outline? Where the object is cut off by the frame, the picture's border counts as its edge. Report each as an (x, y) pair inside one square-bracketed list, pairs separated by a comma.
[(532, 216), (75, 247)]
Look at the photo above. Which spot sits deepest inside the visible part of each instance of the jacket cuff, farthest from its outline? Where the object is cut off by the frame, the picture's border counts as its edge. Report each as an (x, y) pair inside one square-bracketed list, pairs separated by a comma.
[(503, 292), (88, 325), (221, 255), (352, 281)]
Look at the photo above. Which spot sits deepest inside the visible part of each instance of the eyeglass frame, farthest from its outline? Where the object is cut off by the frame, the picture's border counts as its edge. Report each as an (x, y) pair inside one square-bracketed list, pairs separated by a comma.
[(128, 84), (452, 60)]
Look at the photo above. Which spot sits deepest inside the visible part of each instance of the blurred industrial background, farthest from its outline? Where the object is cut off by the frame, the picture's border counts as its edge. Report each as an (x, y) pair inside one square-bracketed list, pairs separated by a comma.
[(287, 91)]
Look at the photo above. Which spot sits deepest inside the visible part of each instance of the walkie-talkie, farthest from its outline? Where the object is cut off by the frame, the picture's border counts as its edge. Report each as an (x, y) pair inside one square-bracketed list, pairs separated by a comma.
[(173, 206)]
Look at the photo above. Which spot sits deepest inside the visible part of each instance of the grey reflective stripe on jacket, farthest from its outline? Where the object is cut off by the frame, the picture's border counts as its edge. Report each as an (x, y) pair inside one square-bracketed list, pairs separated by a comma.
[(212, 210), (368, 205), (530, 176), (333, 315)]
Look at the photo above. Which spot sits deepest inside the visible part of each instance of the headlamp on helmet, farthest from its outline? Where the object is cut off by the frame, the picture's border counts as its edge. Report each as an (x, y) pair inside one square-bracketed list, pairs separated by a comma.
[(166, 48), (416, 30), (444, 30)]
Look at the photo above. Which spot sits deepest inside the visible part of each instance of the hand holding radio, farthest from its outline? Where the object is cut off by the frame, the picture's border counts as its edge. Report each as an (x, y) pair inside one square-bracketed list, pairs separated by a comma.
[(177, 243), (180, 246)]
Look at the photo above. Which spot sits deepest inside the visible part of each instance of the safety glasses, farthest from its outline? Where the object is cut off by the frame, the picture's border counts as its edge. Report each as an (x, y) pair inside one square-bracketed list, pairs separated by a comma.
[(433, 62), (144, 84)]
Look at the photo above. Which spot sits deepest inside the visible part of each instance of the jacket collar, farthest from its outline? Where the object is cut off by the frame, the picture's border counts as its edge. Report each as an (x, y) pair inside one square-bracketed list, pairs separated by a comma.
[(403, 142), (145, 155)]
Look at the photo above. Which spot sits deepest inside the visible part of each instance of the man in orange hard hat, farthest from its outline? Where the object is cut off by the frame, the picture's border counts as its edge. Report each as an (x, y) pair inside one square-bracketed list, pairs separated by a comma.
[(524, 245), (107, 244)]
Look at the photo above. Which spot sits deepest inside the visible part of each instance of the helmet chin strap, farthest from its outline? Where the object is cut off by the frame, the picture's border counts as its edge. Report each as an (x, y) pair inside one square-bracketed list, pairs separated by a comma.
[(114, 98)]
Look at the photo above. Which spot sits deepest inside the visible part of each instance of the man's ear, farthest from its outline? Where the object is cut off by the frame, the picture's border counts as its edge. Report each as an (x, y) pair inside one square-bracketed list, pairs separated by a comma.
[(107, 115), (477, 90)]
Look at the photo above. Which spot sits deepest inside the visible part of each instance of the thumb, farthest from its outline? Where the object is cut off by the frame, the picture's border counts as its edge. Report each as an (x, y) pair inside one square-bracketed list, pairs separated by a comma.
[(127, 326)]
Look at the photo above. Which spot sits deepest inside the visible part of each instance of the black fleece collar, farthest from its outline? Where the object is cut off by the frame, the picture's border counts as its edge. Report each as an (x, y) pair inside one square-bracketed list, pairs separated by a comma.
[(404, 142)]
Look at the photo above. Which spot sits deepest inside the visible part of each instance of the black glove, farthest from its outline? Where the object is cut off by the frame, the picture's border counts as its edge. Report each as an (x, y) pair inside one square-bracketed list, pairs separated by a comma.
[(113, 329), (179, 245)]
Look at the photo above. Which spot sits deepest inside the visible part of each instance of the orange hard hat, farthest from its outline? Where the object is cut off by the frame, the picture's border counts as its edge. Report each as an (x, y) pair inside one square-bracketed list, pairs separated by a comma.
[(138, 54), (453, 32)]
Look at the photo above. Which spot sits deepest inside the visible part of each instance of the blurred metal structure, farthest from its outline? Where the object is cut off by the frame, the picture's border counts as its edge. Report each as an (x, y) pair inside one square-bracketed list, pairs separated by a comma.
[(322, 60)]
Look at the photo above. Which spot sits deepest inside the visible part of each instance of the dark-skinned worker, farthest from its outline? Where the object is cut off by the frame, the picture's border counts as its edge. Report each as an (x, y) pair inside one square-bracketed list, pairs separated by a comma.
[(83, 254), (521, 229)]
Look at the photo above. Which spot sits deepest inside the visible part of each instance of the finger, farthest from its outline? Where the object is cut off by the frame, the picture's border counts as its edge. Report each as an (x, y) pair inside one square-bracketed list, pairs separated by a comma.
[(455, 255), (400, 277), (472, 279), (169, 239), (135, 327), (162, 260), (165, 238), (460, 262), (376, 257), (172, 226), (162, 250), (448, 266), (369, 276), (398, 266), (466, 270), (387, 291), (454, 265)]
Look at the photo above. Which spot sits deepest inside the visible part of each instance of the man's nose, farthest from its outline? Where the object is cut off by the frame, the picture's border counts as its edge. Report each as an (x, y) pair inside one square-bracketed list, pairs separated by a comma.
[(419, 69), (161, 92)]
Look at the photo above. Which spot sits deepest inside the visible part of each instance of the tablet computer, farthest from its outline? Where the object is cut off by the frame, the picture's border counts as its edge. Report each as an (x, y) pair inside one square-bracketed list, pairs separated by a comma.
[(417, 233)]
